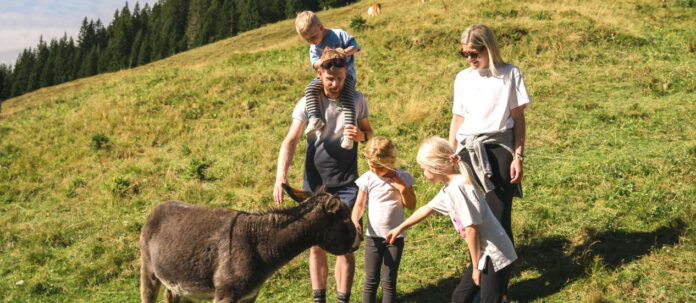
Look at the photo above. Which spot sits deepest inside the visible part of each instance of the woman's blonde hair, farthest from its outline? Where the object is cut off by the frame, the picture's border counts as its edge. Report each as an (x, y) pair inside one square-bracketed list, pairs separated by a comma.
[(436, 156), (479, 36), (381, 151)]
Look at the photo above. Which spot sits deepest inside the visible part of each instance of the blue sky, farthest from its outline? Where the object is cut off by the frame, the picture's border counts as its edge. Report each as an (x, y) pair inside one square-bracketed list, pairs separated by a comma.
[(23, 22)]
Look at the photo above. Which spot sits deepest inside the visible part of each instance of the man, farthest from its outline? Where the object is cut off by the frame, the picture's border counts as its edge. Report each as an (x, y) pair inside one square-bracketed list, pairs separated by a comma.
[(326, 163)]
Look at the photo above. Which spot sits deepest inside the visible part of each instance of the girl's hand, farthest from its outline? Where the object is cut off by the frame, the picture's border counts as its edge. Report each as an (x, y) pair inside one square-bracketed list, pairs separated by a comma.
[(476, 275), (516, 171), (397, 183), (392, 235)]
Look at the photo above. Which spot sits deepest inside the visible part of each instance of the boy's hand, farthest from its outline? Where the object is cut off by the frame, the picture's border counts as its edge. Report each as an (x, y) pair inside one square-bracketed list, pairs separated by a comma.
[(476, 275)]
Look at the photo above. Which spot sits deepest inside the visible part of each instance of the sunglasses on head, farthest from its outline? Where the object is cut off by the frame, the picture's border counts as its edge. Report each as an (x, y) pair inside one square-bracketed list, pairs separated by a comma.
[(466, 54), (335, 62)]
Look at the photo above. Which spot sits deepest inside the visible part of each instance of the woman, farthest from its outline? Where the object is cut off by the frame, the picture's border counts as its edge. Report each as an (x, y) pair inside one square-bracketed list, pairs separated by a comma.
[(488, 127)]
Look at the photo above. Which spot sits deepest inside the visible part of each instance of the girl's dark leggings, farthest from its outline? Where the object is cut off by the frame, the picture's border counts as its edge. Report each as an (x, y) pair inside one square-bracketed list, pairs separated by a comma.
[(384, 258), (492, 285)]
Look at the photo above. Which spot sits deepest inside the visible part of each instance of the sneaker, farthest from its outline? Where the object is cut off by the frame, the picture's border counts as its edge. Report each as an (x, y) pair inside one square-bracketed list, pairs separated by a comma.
[(346, 143), (314, 125)]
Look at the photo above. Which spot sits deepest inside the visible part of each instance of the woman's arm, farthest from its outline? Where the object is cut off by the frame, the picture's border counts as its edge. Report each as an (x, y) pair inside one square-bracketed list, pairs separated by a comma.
[(519, 130), (457, 121), (359, 209), (422, 213), (472, 240)]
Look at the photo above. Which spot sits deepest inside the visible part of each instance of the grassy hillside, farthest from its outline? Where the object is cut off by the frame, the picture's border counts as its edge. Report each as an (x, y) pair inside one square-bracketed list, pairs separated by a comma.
[(610, 185)]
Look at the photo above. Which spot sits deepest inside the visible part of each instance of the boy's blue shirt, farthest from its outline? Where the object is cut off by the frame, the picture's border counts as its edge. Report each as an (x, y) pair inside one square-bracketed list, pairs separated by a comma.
[(334, 39)]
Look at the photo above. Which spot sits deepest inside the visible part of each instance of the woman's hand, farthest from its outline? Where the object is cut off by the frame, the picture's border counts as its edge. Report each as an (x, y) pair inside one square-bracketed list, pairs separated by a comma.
[(476, 275), (516, 171)]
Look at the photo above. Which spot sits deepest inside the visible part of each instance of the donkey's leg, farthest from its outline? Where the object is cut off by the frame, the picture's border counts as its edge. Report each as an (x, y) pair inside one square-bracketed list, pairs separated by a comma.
[(170, 297), (149, 284)]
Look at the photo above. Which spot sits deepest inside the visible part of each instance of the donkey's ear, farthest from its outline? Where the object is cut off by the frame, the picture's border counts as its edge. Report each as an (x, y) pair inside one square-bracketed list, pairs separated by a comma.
[(296, 194), (333, 205)]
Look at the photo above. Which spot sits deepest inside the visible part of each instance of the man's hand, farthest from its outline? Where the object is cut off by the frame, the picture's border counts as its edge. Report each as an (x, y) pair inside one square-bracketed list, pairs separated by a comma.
[(278, 190), (354, 133), (358, 227)]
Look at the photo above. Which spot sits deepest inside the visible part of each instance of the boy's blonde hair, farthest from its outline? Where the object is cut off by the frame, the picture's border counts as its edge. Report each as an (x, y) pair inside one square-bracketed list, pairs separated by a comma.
[(305, 22), (479, 36), (435, 155), (381, 151)]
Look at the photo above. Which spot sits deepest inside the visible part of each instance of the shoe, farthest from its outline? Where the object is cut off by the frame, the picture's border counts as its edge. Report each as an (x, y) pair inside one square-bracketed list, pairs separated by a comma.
[(346, 143), (314, 125)]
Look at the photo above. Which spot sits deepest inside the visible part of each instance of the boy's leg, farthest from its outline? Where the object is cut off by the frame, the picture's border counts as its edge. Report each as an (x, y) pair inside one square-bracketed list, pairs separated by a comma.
[(467, 289), (346, 98), (318, 272), (373, 262), (493, 283), (312, 92), (390, 269)]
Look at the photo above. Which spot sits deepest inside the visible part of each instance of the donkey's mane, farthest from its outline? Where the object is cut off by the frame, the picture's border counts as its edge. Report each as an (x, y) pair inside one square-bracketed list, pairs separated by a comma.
[(283, 216)]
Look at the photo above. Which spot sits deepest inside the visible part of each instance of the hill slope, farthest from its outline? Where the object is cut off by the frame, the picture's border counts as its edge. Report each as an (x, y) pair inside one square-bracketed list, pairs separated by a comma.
[(609, 188)]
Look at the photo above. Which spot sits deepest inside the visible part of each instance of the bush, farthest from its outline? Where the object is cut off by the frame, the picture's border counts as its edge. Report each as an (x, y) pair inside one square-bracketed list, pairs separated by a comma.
[(99, 141), (358, 23)]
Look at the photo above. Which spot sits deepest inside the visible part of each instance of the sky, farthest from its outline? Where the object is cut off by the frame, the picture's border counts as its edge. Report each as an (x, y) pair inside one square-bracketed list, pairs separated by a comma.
[(22, 22)]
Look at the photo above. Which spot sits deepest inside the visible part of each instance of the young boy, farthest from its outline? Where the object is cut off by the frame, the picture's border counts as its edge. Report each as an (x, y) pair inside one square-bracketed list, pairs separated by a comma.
[(310, 28)]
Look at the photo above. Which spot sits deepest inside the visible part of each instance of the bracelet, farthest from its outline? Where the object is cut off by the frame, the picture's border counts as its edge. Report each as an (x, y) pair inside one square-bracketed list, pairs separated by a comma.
[(518, 156), (365, 141)]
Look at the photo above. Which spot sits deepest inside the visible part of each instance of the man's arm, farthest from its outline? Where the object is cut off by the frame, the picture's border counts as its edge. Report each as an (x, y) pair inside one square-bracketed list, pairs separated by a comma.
[(287, 152), (457, 121)]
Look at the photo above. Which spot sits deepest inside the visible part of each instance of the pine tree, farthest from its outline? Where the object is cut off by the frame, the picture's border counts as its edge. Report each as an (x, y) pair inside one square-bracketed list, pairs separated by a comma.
[(249, 17), (5, 73), (292, 7)]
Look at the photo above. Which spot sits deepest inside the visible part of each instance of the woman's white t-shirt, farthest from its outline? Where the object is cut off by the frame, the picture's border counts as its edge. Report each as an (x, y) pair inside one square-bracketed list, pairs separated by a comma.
[(485, 100), (462, 201), (385, 209)]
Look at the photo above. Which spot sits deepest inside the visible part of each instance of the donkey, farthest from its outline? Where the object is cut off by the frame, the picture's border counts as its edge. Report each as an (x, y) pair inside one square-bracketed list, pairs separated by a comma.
[(227, 255)]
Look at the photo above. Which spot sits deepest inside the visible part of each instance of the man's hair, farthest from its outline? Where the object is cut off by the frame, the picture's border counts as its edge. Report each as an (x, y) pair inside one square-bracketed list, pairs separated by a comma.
[(305, 21), (332, 53), (481, 37)]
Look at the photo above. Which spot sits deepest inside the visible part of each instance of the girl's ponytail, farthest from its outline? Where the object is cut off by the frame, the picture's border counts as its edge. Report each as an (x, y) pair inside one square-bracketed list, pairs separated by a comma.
[(437, 156)]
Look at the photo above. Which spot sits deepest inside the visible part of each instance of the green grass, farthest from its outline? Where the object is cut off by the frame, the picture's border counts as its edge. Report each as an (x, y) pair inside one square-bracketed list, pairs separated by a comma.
[(609, 188)]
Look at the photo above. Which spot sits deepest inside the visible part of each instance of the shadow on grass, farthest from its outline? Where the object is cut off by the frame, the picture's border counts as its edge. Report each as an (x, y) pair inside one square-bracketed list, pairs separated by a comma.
[(561, 262)]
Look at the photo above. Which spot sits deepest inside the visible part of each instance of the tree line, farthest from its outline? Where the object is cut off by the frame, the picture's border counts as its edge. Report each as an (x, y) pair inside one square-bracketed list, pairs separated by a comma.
[(142, 35)]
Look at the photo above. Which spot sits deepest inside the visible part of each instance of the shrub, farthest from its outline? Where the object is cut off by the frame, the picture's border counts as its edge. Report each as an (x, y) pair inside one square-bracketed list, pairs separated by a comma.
[(99, 141), (358, 23), (199, 169)]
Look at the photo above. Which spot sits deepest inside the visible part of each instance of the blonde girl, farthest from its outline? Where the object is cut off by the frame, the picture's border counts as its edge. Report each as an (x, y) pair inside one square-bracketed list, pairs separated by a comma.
[(490, 248), (386, 190)]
